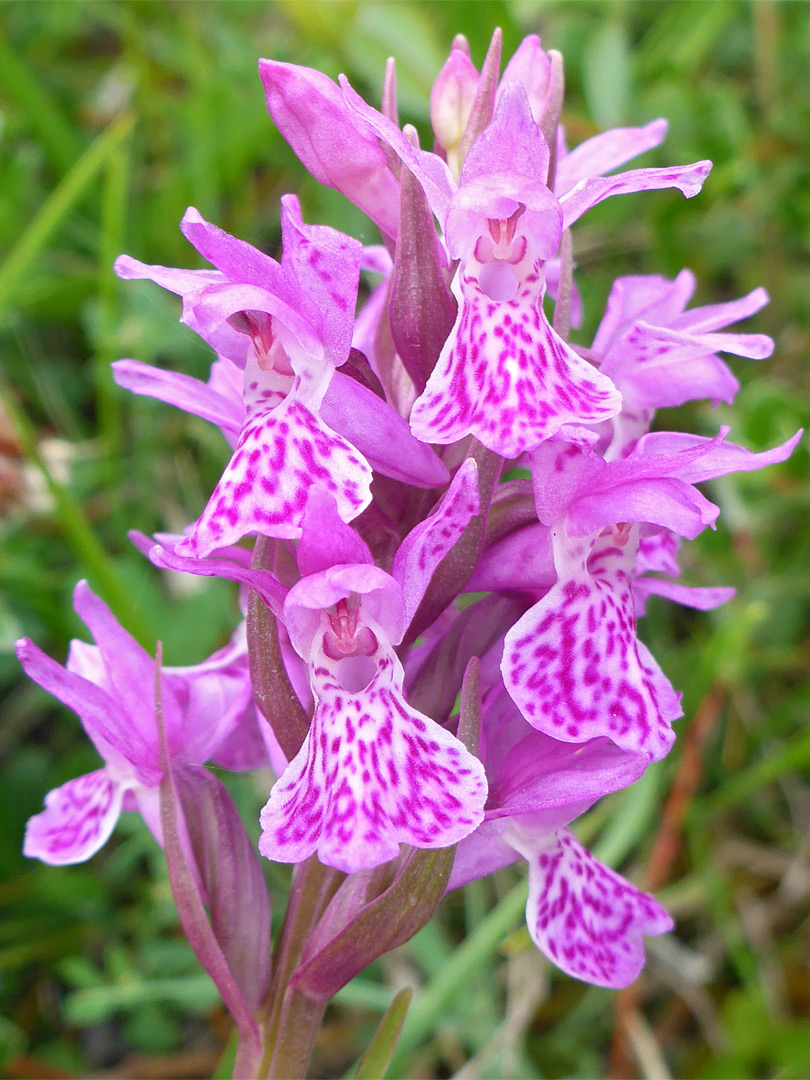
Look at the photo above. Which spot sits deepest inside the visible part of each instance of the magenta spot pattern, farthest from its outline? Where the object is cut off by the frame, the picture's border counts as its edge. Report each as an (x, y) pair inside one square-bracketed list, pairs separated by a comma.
[(573, 664), (281, 454), (588, 920), (373, 773), (505, 377), (77, 820)]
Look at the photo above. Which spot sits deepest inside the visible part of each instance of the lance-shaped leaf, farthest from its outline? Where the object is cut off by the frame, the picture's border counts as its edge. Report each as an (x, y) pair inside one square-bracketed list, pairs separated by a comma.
[(231, 874), (349, 937), (422, 309), (185, 878), (374, 1062)]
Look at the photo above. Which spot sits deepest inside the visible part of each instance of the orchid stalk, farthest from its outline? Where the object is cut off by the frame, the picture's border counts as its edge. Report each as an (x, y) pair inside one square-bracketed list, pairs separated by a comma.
[(420, 736)]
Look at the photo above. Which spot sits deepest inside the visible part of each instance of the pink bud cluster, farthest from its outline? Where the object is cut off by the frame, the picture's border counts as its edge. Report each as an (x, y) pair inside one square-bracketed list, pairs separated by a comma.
[(368, 447)]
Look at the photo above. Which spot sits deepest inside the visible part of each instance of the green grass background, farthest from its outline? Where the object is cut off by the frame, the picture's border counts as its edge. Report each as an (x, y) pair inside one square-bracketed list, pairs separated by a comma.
[(114, 116)]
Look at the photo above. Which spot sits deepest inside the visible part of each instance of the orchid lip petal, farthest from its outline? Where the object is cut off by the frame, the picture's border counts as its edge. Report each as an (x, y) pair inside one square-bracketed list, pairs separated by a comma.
[(587, 919), (280, 455), (507, 378), (77, 821), (573, 664), (372, 774)]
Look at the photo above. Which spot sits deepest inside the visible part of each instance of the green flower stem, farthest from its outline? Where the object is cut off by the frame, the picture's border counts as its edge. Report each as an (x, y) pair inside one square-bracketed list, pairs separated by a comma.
[(313, 886), (299, 1020)]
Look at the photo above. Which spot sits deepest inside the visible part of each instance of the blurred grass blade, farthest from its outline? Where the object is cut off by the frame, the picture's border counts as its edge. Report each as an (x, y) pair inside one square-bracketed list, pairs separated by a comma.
[(374, 1063), (629, 824), (790, 760), (473, 953), (55, 208), (77, 531), (114, 207), (18, 83)]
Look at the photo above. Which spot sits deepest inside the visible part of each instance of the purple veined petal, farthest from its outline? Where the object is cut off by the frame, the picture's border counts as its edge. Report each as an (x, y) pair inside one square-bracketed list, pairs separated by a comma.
[(324, 266), (656, 299), (335, 146), (587, 919), (77, 820), (380, 596), (666, 501), (504, 178), (372, 774), (702, 598), (560, 470), (217, 694), (236, 260), (686, 178), (107, 726), (719, 458), (129, 673), (529, 66), (480, 854), (668, 383), (646, 344), (188, 284), (539, 774), (207, 313), (184, 392), (574, 666), (177, 281), (522, 560), (425, 546), (429, 169), (703, 320), (658, 553), (326, 540), (571, 480), (605, 152), (280, 455), (510, 155), (239, 555), (266, 584), (380, 434), (505, 377)]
